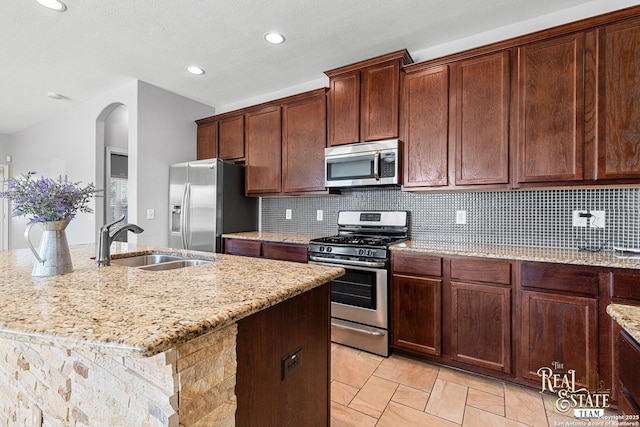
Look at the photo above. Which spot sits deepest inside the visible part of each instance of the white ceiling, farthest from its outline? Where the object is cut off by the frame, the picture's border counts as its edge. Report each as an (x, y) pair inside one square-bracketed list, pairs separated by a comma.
[(98, 45)]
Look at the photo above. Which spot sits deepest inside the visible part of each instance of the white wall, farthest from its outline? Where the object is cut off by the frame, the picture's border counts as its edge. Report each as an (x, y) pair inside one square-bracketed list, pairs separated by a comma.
[(65, 145), (161, 131), (166, 134)]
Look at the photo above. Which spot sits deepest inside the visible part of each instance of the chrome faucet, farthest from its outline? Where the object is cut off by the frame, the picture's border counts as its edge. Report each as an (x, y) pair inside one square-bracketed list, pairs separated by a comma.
[(106, 237)]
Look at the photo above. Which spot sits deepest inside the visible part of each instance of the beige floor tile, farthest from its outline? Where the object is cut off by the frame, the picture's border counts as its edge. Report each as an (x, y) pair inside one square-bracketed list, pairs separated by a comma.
[(411, 397), (397, 415), (342, 393), (409, 372), (372, 356), (485, 401), (525, 405), (374, 396), (341, 416), (351, 368), (472, 381), (447, 400), (478, 418)]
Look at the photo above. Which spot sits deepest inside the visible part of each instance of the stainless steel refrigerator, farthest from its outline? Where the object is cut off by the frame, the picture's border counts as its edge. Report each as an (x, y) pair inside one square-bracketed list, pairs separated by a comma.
[(206, 199)]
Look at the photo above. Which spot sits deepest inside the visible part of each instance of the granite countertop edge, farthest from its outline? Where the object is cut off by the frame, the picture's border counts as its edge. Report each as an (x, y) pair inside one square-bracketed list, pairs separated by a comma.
[(628, 317)]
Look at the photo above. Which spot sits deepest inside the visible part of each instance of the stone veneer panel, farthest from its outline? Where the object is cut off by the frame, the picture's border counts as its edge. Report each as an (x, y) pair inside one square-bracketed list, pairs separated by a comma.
[(192, 385)]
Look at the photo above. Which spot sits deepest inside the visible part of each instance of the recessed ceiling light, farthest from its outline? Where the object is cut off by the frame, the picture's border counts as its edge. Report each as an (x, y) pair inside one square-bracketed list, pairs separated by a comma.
[(194, 69), (56, 5), (274, 38), (54, 95)]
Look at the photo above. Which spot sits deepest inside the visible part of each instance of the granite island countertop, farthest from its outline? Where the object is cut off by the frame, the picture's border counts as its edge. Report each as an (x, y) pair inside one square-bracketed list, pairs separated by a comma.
[(132, 312)]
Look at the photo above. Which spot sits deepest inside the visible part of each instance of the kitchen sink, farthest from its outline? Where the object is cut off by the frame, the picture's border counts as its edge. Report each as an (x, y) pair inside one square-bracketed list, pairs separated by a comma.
[(170, 265), (158, 262), (142, 260)]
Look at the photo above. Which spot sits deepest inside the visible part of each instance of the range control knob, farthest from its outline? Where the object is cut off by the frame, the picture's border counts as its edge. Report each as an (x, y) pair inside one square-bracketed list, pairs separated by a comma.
[(321, 248), (360, 251), (328, 249), (369, 252)]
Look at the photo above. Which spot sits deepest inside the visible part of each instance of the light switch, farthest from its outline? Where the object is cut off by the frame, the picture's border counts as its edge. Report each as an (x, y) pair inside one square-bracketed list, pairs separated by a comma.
[(287, 214), (319, 214), (151, 214)]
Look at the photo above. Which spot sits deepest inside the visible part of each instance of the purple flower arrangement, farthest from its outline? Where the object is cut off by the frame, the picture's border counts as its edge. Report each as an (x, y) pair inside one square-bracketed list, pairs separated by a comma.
[(46, 199)]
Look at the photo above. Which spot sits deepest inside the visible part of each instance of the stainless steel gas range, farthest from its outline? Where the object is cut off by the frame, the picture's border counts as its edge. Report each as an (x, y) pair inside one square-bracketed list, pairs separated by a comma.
[(360, 298)]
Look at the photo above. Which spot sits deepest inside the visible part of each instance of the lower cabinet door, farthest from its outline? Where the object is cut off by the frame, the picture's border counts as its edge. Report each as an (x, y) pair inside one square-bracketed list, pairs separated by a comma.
[(558, 330), (481, 325), (417, 314)]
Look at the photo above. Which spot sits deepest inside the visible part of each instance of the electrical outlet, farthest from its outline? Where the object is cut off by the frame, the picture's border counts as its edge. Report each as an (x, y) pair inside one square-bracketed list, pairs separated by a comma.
[(287, 214), (319, 214), (151, 214), (461, 217), (597, 220), (291, 362), (580, 219)]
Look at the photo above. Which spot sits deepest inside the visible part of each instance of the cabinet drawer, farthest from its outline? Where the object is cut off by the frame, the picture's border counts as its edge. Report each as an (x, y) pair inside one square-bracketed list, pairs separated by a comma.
[(629, 366), (481, 270), (559, 277), (284, 251), (242, 247), (626, 285), (416, 263)]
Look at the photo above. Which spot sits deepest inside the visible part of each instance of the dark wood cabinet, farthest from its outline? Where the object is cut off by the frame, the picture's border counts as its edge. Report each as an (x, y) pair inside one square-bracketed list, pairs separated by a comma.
[(417, 314), (550, 110), (231, 138), (304, 138), (455, 124), (363, 99), (480, 91), (344, 108), (265, 395), (264, 151), (558, 319), (380, 101), (617, 286), (207, 141), (629, 384), (267, 249), (481, 313), (618, 141), (425, 128), (416, 294)]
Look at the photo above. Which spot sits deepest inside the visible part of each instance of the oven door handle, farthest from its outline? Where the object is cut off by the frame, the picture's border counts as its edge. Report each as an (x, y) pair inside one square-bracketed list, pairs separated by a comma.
[(374, 264), (362, 331)]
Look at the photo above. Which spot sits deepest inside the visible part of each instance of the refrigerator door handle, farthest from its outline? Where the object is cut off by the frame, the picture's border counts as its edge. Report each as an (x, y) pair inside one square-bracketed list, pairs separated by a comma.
[(183, 217), (187, 220)]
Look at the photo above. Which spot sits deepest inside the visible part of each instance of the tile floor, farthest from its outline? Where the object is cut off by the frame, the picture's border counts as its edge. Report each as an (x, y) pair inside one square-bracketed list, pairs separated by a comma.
[(369, 390)]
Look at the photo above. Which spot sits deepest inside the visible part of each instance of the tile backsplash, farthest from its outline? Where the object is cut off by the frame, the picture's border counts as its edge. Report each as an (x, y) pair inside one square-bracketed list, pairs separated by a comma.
[(520, 217)]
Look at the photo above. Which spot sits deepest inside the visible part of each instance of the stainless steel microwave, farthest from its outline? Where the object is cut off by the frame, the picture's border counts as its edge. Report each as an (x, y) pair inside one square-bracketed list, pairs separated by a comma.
[(362, 164)]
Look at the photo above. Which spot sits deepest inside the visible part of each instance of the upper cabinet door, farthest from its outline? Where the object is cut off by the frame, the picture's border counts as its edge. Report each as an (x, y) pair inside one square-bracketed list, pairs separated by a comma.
[(618, 141), (304, 138), (344, 108), (551, 110), (207, 141), (379, 109), (264, 151), (231, 138), (425, 127), (480, 93)]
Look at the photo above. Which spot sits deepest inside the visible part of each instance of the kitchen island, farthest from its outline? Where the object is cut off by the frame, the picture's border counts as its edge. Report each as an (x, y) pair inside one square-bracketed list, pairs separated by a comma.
[(123, 346)]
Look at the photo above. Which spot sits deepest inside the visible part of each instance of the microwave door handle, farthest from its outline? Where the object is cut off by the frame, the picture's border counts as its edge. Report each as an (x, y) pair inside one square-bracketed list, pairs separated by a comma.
[(376, 165)]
